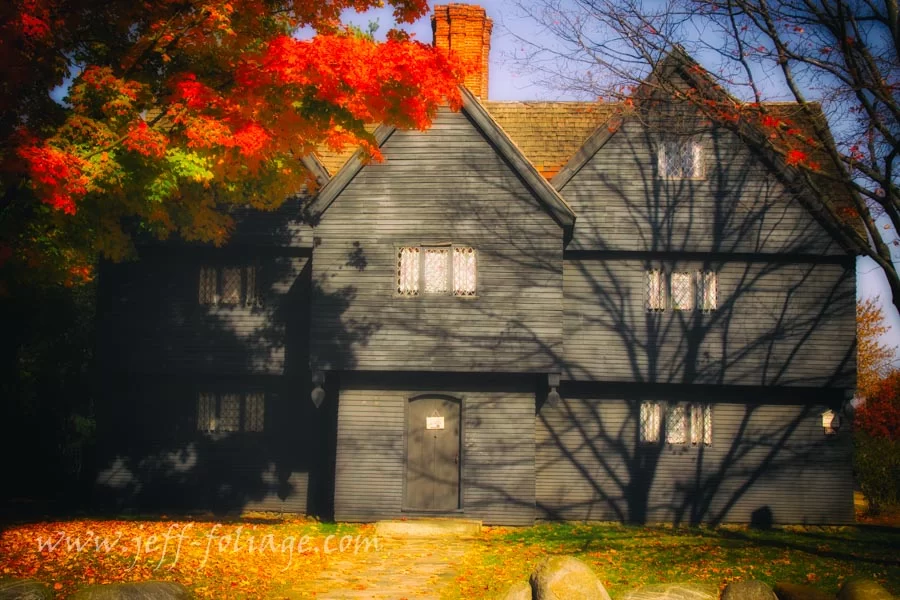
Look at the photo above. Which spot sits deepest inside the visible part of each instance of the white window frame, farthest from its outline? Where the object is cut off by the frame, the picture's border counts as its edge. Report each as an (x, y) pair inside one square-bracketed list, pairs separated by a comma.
[(406, 289), (668, 147)]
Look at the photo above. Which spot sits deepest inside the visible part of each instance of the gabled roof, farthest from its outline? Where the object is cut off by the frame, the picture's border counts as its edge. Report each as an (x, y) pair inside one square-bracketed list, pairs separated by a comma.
[(536, 182)]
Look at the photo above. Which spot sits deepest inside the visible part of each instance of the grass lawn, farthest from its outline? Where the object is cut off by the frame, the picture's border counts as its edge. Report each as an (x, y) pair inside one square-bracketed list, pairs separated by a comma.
[(626, 557)]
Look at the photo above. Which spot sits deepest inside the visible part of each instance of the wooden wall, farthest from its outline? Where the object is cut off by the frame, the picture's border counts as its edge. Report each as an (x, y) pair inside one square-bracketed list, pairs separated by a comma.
[(778, 323), (623, 204), (497, 448), (444, 185), (769, 460)]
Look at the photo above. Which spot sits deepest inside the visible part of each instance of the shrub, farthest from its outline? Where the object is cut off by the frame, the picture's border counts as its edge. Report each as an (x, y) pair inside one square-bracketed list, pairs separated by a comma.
[(877, 444)]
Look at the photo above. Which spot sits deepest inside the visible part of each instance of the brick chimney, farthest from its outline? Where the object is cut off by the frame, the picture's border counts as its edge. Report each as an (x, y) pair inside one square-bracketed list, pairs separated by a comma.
[(466, 30)]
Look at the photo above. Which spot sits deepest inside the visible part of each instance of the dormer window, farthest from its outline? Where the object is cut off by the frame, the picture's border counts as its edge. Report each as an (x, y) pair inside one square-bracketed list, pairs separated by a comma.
[(681, 159), (436, 270)]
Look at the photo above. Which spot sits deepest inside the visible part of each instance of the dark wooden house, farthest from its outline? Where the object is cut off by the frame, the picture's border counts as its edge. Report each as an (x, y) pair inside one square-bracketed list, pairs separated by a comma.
[(530, 311)]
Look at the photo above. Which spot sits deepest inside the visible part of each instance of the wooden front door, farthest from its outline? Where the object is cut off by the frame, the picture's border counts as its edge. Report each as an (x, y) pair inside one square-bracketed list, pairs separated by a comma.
[(432, 454)]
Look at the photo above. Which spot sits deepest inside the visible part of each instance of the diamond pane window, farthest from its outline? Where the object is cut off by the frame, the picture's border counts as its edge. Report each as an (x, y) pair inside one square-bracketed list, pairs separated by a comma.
[(464, 271), (681, 159), (230, 412), (254, 412), (206, 412), (682, 291), (676, 425), (408, 271), (701, 424), (436, 270), (709, 291), (207, 285), (650, 417), (231, 286), (656, 290)]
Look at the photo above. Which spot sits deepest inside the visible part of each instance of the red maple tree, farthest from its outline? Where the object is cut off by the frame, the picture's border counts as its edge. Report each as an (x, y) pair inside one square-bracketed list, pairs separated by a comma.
[(178, 109)]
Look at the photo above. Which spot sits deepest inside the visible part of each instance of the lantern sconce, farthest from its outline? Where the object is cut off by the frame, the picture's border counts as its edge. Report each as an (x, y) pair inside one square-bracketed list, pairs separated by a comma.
[(831, 422), (553, 396), (318, 392)]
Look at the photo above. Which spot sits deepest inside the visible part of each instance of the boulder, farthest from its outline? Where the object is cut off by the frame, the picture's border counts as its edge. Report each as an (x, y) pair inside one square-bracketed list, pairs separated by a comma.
[(24, 589), (793, 591), (859, 588), (517, 591), (566, 578), (143, 590), (674, 591), (748, 590)]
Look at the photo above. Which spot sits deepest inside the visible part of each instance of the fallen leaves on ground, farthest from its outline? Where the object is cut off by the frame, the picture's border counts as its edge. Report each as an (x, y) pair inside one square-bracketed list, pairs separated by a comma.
[(243, 558)]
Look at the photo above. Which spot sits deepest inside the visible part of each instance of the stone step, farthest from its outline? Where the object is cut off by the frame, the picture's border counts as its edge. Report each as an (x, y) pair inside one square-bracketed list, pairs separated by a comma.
[(428, 528)]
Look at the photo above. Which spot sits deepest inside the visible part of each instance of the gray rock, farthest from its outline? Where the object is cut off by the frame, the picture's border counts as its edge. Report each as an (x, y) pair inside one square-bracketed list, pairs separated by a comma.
[(518, 591), (144, 590), (24, 589), (859, 588), (748, 590), (566, 578), (674, 591), (793, 591)]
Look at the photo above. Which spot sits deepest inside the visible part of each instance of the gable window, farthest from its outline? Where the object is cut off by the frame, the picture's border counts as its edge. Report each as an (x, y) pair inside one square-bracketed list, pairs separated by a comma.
[(229, 412), (436, 270), (681, 159), (709, 290), (650, 422), (689, 422), (682, 291), (229, 285), (656, 290)]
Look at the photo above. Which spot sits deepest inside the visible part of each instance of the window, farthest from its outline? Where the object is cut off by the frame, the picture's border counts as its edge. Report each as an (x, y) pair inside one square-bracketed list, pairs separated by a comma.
[(709, 290), (682, 291), (436, 270), (231, 285), (656, 290), (686, 290), (701, 424), (693, 422), (650, 421), (231, 412), (676, 424), (681, 159)]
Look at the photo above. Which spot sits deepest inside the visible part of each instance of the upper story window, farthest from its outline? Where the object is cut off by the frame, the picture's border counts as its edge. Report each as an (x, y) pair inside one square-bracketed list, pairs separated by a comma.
[(228, 412), (229, 285), (686, 290), (683, 423), (681, 159), (436, 270)]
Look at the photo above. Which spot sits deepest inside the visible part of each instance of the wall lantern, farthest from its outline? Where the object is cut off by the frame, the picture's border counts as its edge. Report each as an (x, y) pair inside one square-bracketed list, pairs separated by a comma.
[(831, 422), (318, 392), (553, 396)]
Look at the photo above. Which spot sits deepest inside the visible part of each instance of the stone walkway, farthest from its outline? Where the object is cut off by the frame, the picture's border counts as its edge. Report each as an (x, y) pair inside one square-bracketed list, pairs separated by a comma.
[(401, 568)]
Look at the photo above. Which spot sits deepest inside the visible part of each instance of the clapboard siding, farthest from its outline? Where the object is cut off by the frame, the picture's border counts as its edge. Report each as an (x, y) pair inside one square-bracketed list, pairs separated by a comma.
[(497, 450), (769, 458), (445, 185), (152, 456), (778, 324), (152, 322), (740, 206)]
